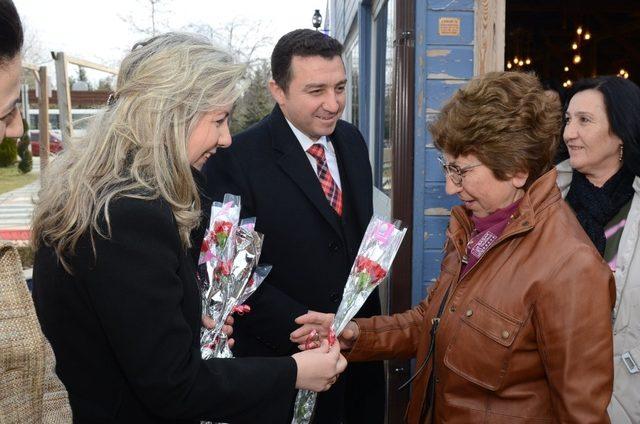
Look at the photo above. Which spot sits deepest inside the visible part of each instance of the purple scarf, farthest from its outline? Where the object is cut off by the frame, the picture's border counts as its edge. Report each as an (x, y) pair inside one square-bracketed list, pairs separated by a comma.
[(487, 230)]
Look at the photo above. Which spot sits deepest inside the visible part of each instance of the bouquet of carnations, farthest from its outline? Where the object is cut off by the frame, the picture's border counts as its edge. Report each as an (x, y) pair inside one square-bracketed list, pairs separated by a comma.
[(230, 250), (377, 251)]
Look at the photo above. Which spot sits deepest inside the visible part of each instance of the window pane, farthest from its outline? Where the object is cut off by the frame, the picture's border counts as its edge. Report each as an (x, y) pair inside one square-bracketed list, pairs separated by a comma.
[(387, 158), (354, 78), (351, 106)]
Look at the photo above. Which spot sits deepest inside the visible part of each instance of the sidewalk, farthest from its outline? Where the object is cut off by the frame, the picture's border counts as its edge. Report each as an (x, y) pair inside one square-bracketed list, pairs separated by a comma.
[(16, 209)]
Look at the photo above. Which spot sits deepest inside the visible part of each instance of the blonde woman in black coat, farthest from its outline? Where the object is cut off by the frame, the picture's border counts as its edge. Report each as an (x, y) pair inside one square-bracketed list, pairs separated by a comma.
[(115, 289)]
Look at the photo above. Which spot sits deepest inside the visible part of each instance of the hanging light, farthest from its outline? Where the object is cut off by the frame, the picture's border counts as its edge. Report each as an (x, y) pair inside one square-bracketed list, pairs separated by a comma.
[(316, 20), (579, 30), (569, 83), (577, 59), (626, 75), (587, 36), (566, 69), (528, 61), (509, 66), (622, 72), (521, 62), (515, 59), (564, 84), (574, 46)]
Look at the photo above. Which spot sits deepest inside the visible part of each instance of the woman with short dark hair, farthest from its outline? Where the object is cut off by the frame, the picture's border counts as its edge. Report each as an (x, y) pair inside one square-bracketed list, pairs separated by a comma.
[(601, 182), (516, 327)]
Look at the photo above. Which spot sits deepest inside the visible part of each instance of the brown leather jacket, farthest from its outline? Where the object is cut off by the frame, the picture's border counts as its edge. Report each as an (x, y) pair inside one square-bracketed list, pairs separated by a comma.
[(525, 336)]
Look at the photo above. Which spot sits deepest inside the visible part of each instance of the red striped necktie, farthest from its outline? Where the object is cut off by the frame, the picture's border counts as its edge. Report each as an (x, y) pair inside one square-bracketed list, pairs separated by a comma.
[(329, 186)]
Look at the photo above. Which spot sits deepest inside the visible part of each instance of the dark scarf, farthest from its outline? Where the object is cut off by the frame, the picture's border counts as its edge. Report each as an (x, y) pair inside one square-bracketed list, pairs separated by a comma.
[(596, 206)]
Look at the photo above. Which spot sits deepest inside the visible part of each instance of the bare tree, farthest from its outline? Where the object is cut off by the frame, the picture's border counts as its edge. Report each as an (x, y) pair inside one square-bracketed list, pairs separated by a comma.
[(256, 102), (32, 50), (155, 12), (106, 83), (244, 38), (247, 41)]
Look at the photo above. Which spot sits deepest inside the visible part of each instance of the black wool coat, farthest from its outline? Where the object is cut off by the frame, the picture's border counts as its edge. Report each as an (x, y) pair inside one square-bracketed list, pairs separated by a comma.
[(125, 329), (310, 247)]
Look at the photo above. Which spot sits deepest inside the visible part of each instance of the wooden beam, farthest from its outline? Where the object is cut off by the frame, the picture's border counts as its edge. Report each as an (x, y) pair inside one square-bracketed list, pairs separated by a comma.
[(64, 97), (30, 66), (490, 40), (43, 121), (92, 65), (33, 68)]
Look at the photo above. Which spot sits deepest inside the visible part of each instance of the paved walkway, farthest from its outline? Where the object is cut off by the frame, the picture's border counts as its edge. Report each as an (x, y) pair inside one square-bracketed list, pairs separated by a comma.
[(16, 209)]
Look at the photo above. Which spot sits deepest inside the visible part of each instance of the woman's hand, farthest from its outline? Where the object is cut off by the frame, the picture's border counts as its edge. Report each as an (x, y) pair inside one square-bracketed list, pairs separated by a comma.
[(319, 368), (227, 329), (318, 325)]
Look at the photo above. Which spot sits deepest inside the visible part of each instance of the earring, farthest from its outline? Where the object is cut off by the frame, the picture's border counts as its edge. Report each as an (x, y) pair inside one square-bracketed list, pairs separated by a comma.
[(621, 151)]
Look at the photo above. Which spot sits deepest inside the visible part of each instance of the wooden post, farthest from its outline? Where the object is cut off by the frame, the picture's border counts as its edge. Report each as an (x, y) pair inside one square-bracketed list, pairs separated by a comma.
[(43, 119), (64, 97), (490, 32), (402, 136)]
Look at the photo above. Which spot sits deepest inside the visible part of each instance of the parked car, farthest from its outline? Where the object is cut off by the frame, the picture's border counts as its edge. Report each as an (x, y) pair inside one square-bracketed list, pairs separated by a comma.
[(55, 142)]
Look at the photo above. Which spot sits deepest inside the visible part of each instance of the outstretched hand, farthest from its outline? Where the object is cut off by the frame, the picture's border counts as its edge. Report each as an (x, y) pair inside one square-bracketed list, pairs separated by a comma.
[(316, 327)]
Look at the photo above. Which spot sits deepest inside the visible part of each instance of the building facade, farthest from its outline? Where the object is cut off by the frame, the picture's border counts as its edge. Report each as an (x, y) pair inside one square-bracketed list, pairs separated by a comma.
[(452, 41)]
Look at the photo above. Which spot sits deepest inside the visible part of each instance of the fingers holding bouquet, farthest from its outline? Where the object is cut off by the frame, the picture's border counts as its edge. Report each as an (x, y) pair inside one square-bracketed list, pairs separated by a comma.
[(319, 368), (316, 327), (227, 328)]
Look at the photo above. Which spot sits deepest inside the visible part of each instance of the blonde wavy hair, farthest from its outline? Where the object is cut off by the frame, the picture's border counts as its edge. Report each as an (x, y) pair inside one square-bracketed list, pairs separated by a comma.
[(137, 146)]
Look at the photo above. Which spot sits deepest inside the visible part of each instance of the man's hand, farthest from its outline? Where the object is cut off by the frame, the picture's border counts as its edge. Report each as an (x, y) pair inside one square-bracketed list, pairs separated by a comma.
[(316, 327)]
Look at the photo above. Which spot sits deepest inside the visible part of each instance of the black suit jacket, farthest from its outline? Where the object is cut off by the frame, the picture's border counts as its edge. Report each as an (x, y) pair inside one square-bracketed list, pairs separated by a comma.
[(310, 247), (125, 329)]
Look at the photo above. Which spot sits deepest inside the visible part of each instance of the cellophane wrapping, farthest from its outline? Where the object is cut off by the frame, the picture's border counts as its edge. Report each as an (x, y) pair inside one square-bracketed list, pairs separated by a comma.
[(231, 251), (377, 250)]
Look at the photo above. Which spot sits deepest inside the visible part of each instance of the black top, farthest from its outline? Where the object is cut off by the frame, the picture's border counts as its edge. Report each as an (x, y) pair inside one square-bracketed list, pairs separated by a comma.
[(125, 330)]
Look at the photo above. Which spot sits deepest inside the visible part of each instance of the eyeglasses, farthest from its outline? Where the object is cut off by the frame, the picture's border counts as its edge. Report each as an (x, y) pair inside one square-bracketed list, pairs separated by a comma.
[(454, 171)]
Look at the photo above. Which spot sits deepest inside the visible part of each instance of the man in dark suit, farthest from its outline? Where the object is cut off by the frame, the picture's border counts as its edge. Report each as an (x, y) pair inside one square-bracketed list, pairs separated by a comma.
[(305, 175)]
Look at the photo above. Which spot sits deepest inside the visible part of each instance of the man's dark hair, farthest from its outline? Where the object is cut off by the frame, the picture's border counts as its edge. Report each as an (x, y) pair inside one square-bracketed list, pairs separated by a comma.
[(11, 36), (303, 43)]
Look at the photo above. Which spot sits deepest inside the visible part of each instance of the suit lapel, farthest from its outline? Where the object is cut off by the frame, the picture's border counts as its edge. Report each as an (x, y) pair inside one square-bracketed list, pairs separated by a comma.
[(351, 168), (294, 162)]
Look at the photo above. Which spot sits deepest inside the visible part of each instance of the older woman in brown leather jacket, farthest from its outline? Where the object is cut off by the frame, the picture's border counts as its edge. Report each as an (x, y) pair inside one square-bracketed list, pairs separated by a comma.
[(517, 327)]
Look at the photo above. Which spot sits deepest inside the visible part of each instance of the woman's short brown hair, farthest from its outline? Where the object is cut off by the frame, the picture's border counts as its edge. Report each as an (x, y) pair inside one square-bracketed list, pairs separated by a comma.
[(506, 120)]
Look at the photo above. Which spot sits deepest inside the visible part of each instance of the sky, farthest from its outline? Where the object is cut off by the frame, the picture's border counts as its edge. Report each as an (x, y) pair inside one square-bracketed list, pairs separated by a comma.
[(102, 31)]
